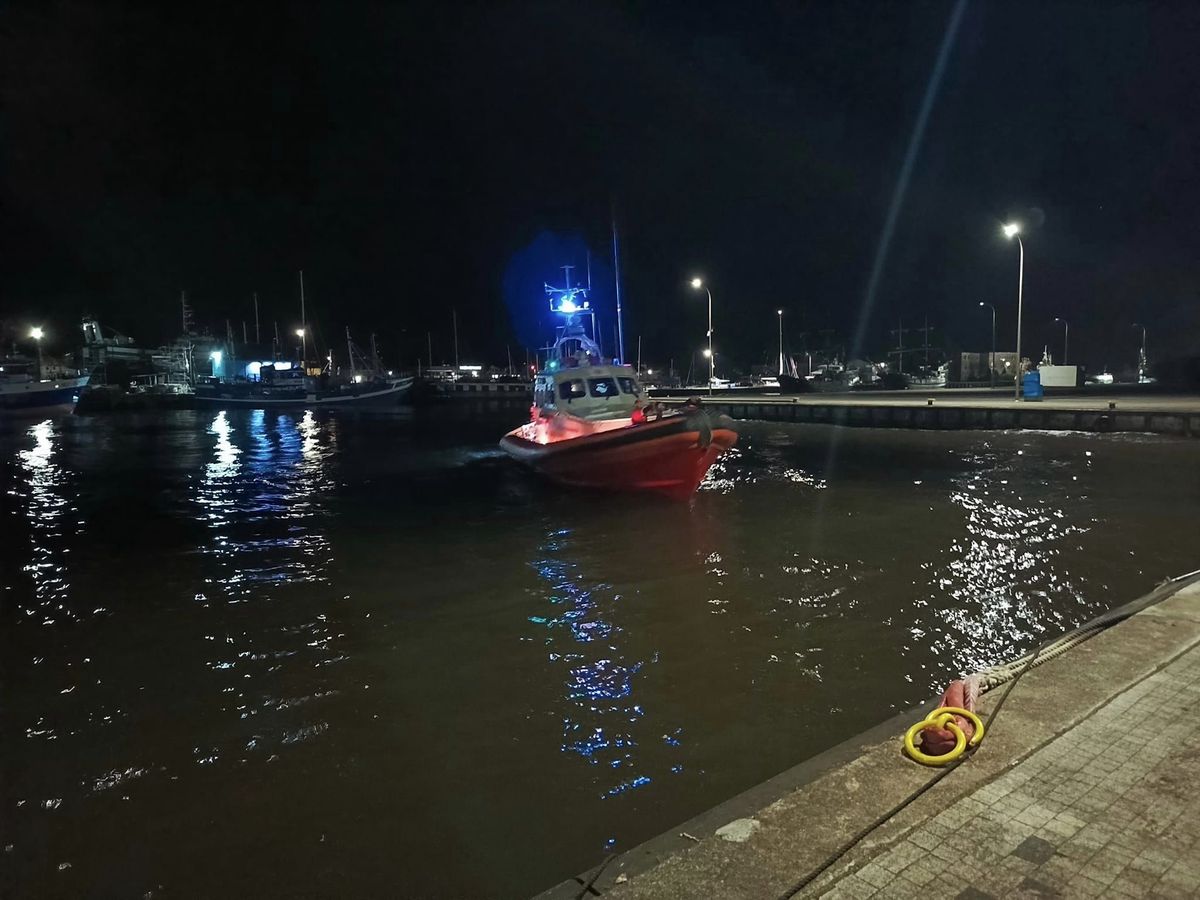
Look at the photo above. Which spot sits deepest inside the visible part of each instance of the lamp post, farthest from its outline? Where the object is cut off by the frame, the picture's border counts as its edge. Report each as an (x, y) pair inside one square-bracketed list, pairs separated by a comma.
[(302, 333), (37, 334), (992, 358), (1013, 230), (1066, 336), (780, 313), (1142, 354), (697, 284)]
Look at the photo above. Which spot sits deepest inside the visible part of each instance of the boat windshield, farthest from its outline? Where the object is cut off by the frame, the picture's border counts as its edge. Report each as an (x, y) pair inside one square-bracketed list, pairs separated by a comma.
[(602, 387), (568, 390)]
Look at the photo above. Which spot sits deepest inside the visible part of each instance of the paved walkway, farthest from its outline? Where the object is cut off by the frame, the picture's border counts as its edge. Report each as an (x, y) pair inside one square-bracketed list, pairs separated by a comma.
[(1110, 808)]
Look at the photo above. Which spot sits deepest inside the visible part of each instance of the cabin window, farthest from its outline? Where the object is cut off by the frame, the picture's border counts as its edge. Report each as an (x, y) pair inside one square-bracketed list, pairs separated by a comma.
[(603, 387), (628, 385), (569, 390)]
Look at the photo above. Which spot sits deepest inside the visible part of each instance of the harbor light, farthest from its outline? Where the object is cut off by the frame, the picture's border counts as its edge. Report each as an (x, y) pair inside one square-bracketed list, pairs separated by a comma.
[(698, 284), (37, 333), (215, 356), (707, 353), (1013, 230), (299, 332), (649, 371)]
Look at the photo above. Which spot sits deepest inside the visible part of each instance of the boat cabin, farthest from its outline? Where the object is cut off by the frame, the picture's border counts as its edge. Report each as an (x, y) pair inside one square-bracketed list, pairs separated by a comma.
[(589, 391)]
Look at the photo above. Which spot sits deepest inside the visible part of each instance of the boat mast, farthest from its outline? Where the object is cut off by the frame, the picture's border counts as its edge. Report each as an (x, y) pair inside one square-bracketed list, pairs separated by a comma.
[(349, 351), (303, 325), (617, 281), (257, 333), (454, 313)]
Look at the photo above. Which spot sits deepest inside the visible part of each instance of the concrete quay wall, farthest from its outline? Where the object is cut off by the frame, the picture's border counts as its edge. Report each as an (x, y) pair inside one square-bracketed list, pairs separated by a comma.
[(1178, 419)]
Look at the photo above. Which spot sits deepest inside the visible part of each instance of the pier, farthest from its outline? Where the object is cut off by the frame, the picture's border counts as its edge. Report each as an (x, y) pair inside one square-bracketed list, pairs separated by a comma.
[(966, 409), (1083, 785)]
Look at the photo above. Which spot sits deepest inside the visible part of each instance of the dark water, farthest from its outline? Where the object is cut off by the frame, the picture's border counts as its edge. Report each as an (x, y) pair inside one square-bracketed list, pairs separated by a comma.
[(256, 654)]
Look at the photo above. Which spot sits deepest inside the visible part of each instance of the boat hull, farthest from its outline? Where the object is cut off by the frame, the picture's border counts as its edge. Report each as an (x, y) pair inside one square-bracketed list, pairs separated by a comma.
[(38, 398), (669, 456), (229, 399)]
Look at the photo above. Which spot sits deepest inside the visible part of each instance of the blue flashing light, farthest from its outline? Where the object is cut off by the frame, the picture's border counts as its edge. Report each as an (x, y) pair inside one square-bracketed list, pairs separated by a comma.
[(567, 306)]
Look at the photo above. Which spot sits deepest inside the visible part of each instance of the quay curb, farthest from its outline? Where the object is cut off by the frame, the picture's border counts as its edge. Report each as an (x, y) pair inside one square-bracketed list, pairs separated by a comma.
[(676, 845), (964, 414)]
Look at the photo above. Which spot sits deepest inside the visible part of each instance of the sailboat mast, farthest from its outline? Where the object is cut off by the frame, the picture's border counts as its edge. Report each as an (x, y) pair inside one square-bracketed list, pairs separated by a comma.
[(349, 350), (257, 334), (303, 324), (617, 282)]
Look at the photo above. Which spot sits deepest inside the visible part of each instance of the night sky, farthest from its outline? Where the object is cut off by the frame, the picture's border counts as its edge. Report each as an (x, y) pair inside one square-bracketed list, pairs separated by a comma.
[(408, 155)]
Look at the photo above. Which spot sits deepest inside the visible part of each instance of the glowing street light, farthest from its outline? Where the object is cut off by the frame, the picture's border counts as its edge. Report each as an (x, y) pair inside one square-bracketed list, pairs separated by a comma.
[(1013, 230), (697, 284), (779, 312), (37, 334), (302, 333)]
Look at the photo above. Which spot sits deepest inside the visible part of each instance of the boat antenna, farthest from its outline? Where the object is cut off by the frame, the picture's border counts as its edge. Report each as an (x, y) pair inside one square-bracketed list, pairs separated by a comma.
[(257, 334), (589, 270), (617, 282)]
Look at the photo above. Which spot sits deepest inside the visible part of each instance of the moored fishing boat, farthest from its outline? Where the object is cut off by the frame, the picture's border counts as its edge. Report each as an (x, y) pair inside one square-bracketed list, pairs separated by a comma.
[(23, 393), (589, 425)]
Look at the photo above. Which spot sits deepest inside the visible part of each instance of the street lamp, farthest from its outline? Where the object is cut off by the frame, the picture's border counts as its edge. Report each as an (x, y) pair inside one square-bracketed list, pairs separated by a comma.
[(780, 313), (697, 284), (1066, 336), (992, 359), (302, 333), (1013, 230), (37, 334), (1142, 355)]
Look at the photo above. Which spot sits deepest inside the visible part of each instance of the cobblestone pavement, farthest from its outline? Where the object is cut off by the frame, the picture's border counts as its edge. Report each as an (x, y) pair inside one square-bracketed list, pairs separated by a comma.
[(1110, 808)]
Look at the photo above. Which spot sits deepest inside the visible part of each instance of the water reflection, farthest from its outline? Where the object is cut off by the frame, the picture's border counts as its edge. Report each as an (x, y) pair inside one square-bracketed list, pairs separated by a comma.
[(603, 722), (44, 494), (262, 498), (1002, 588), (262, 503)]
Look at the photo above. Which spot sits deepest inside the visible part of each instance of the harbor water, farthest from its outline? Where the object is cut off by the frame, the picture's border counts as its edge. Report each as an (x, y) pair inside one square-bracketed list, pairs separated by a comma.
[(367, 655)]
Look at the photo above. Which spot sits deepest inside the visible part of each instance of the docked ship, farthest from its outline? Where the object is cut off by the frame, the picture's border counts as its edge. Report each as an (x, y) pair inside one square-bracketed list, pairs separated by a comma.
[(261, 384), (24, 393), (589, 425)]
